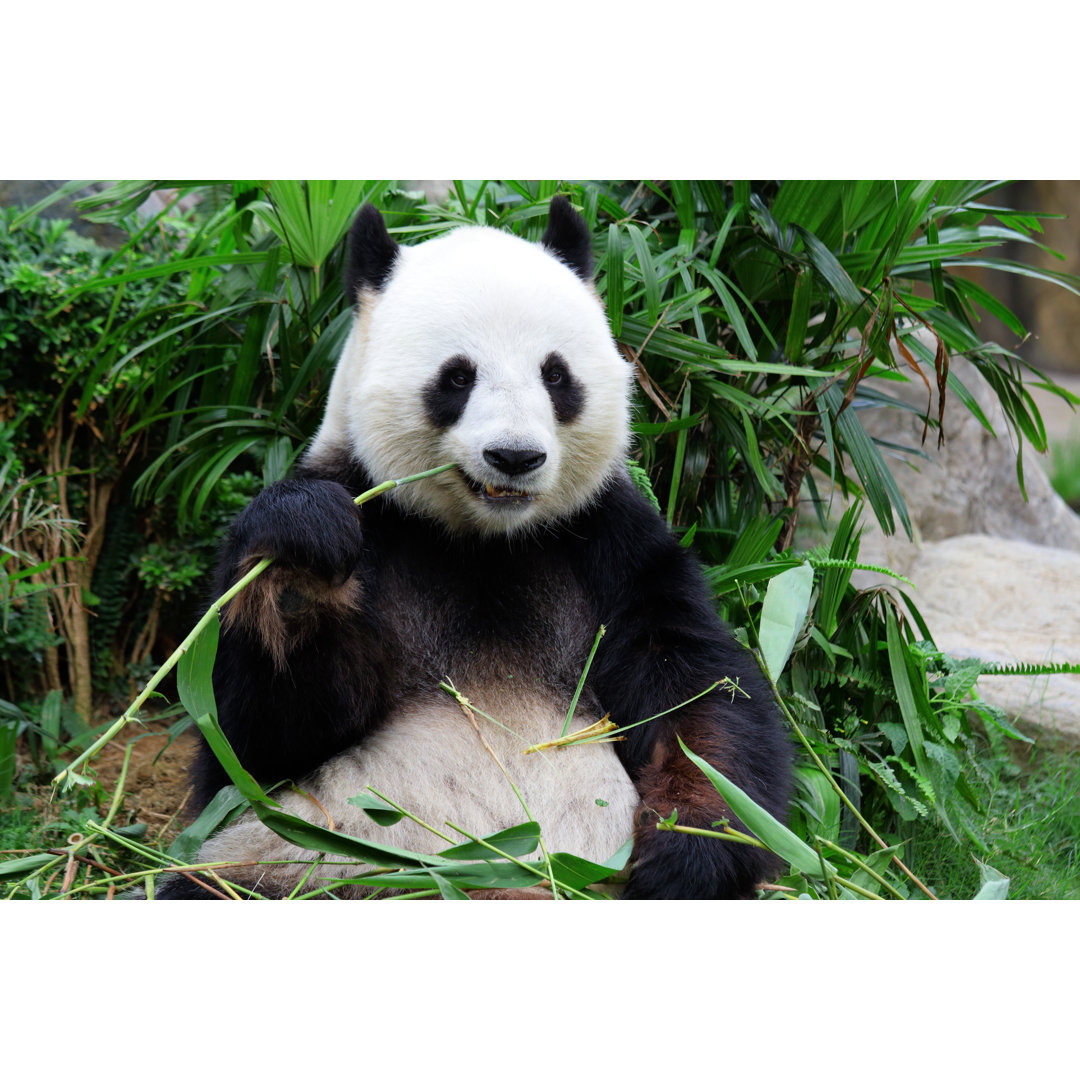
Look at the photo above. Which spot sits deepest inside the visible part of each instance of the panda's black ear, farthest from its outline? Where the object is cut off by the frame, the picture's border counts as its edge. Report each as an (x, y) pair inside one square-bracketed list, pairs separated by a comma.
[(567, 238), (372, 252)]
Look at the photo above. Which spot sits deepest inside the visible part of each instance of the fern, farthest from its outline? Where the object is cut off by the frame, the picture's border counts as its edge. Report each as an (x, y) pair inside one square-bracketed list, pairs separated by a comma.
[(826, 563), (1031, 669), (863, 678), (642, 483)]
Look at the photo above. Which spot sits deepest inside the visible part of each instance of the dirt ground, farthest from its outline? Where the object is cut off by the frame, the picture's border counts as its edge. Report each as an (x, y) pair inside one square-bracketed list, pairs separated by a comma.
[(156, 784)]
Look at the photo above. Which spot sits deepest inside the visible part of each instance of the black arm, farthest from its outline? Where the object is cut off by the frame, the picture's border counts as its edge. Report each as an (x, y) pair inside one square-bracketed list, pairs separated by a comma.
[(299, 672), (664, 645)]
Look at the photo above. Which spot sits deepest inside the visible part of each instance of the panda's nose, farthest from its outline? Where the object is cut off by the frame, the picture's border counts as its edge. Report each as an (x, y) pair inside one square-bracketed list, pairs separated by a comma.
[(513, 462)]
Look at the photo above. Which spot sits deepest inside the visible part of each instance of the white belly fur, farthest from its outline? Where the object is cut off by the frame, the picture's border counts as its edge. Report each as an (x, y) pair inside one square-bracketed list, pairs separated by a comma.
[(431, 761)]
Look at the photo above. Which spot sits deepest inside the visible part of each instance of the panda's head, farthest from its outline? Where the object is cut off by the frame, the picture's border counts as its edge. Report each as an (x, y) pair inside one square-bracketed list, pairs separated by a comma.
[(485, 350)]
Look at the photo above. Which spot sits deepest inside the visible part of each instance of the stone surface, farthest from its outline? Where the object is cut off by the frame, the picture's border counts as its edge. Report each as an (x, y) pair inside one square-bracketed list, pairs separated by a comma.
[(995, 576), (970, 485), (1008, 601)]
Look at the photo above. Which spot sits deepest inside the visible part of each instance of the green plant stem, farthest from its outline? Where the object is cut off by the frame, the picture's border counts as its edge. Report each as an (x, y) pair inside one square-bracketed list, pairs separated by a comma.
[(839, 791), (861, 865), (865, 893), (121, 780), (465, 703), (466, 707), (68, 776), (829, 879), (581, 682), (412, 817), (728, 834)]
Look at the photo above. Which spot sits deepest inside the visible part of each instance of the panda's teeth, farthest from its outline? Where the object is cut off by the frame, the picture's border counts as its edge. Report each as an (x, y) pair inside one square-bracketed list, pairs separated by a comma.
[(493, 492)]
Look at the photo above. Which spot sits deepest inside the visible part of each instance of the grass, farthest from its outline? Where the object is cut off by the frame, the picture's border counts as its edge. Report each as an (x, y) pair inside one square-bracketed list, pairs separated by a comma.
[(1032, 834)]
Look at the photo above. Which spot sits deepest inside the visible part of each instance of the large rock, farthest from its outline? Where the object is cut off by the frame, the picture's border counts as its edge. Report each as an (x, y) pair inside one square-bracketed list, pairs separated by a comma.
[(970, 484), (996, 576), (1009, 602)]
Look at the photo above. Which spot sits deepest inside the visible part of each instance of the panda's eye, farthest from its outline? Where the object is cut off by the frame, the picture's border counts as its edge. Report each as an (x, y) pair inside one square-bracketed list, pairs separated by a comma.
[(448, 392), (566, 393), (458, 374), (553, 370)]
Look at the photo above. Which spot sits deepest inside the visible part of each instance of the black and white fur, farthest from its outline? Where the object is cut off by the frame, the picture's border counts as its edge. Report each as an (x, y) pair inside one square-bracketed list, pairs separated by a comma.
[(494, 353)]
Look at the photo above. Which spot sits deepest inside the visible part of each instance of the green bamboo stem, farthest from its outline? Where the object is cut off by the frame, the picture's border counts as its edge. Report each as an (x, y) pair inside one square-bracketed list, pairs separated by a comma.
[(69, 776), (728, 834), (861, 865), (581, 682), (866, 894)]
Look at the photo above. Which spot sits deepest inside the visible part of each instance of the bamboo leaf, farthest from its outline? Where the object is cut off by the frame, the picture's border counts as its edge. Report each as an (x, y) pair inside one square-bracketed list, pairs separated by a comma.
[(800, 315), (994, 884), (820, 802), (614, 292), (168, 269), (762, 824), (648, 273), (229, 801), (904, 692), (317, 838), (379, 811), (731, 310), (18, 868), (493, 874), (769, 484), (517, 840), (236, 772), (577, 873), (194, 672), (447, 890), (826, 264), (787, 600)]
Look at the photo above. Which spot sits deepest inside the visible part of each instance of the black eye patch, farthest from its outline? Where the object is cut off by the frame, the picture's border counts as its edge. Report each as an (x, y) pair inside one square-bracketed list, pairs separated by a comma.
[(566, 393), (446, 396)]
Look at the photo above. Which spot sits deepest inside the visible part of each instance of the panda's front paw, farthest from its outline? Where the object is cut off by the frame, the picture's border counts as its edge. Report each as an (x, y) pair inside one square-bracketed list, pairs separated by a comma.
[(308, 525), (311, 530)]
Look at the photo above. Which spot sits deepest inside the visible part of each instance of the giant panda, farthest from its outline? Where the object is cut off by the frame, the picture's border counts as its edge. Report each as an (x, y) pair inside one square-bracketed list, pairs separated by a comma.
[(494, 353)]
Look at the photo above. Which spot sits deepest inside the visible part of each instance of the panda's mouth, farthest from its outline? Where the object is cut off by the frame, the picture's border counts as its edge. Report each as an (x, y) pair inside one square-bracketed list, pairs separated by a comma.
[(492, 494)]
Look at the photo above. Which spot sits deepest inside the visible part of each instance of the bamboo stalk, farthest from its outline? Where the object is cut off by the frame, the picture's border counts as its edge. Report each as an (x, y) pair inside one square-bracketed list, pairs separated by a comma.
[(69, 777)]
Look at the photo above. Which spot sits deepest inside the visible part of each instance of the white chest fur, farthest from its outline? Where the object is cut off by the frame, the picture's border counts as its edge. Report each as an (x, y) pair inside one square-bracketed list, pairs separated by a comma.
[(433, 761)]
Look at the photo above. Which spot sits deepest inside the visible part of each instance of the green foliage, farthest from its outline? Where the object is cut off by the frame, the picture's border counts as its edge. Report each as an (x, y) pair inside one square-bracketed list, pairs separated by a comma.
[(30, 528), (45, 269), (1065, 471)]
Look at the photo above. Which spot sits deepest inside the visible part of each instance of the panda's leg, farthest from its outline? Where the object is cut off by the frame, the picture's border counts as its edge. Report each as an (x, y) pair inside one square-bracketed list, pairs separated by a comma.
[(680, 866)]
